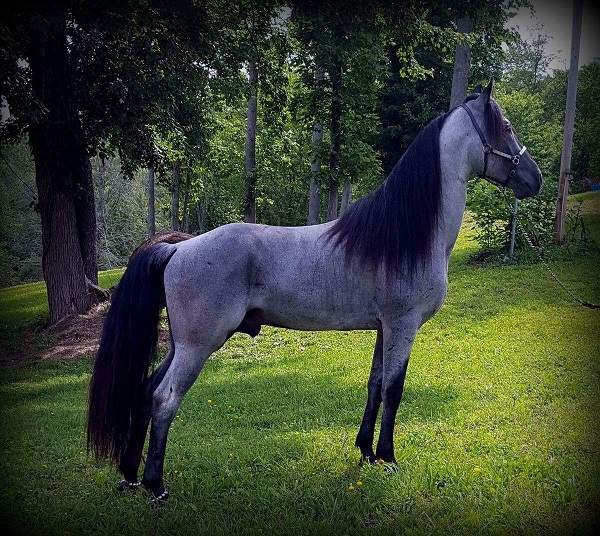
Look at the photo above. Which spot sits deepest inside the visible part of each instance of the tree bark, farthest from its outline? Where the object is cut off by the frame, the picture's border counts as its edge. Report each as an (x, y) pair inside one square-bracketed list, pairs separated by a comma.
[(151, 203), (565, 160), (390, 138), (314, 190), (101, 182), (186, 207), (334, 154), (201, 216), (63, 174), (346, 196), (462, 61), (175, 225), (250, 149), (85, 208)]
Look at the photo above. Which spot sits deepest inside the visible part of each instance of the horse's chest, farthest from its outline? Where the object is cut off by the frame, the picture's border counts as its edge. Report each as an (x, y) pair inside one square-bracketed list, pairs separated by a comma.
[(424, 298)]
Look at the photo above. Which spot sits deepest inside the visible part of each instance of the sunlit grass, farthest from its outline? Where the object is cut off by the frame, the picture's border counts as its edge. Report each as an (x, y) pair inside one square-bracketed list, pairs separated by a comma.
[(497, 432)]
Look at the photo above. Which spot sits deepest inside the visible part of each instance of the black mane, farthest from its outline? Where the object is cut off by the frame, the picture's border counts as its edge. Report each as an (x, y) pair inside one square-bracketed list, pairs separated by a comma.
[(494, 121), (393, 225)]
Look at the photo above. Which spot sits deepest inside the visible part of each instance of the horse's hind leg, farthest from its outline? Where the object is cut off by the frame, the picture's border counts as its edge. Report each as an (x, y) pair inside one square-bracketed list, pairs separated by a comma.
[(185, 368), (132, 457), (364, 439)]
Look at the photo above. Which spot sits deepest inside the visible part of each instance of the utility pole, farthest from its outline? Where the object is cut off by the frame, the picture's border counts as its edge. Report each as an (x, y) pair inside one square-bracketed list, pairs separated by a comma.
[(513, 229), (565, 159)]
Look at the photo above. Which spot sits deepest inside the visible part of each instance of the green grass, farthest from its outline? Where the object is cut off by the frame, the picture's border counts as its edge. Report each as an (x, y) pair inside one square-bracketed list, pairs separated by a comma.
[(26, 306), (497, 431)]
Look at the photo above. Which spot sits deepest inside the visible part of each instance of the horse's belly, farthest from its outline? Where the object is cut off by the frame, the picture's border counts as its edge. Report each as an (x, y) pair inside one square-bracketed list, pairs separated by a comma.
[(319, 310), (316, 322)]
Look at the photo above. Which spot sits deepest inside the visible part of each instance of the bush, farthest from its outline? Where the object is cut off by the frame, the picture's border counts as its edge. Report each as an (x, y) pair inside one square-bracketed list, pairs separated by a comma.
[(490, 208)]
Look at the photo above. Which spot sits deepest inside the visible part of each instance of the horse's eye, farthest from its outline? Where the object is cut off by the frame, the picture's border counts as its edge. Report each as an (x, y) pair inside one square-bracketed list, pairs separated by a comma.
[(508, 127)]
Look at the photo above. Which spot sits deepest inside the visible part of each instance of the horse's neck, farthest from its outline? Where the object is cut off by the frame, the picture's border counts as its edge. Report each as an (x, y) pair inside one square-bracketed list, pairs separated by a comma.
[(454, 196), (457, 152)]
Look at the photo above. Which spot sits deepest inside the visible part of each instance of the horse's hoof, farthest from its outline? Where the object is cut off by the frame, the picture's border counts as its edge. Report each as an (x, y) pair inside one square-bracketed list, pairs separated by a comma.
[(389, 467), (368, 459), (158, 500), (125, 485)]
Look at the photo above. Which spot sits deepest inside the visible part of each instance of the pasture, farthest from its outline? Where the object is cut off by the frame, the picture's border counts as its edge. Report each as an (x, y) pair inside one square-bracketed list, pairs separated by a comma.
[(497, 431)]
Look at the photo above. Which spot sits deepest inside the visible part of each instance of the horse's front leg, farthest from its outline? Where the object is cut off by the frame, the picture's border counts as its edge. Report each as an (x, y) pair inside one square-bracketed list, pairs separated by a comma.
[(398, 338), (364, 439)]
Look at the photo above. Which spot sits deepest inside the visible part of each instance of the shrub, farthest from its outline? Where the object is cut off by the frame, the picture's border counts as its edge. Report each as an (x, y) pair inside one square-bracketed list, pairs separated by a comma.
[(490, 208)]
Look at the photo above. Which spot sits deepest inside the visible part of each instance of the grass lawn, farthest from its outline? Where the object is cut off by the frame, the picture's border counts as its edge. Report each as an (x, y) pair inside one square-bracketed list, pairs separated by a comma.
[(497, 431)]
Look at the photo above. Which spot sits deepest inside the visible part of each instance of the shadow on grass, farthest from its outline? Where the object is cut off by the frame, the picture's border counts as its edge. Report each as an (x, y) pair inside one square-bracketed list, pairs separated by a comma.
[(272, 397), (41, 390), (272, 451), (269, 447)]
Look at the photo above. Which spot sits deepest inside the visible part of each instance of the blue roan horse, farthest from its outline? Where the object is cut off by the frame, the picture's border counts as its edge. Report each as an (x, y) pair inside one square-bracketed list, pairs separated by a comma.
[(383, 266)]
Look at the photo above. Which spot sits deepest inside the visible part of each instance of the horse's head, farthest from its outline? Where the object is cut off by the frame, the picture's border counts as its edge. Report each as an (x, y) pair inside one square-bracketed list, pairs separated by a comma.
[(502, 160)]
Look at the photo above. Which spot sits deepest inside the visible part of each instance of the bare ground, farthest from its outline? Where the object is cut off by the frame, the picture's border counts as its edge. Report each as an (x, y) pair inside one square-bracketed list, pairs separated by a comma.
[(74, 337)]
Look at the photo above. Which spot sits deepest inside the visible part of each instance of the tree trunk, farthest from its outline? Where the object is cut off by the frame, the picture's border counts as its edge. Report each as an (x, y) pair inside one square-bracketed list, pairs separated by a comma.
[(175, 226), (201, 216), (250, 149), (565, 159), (334, 154), (85, 208), (151, 203), (346, 196), (63, 175), (102, 230), (462, 60), (314, 191), (101, 183), (390, 138), (186, 207)]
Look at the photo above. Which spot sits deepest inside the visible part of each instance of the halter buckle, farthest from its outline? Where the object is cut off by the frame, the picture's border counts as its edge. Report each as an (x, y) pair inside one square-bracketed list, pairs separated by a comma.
[(516, 159), (487, 148)]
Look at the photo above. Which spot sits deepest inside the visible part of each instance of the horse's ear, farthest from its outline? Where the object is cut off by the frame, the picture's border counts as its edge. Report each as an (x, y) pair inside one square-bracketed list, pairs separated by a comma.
[(487, 92), (478, 88)]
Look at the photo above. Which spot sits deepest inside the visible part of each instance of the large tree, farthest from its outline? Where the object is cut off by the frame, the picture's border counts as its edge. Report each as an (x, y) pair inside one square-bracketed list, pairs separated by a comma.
[(421, 44), (82, 78), (40, 63)]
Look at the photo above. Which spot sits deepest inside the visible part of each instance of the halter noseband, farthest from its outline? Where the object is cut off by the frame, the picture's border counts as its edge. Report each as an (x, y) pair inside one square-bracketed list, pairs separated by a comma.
[(488, 149)]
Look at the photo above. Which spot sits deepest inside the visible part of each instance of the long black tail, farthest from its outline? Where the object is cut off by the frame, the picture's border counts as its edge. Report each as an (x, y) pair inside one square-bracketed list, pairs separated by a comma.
[(127, 348)]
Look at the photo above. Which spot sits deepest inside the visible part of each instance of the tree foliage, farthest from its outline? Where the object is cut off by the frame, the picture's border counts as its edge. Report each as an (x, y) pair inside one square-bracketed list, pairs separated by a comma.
[(166, 85)]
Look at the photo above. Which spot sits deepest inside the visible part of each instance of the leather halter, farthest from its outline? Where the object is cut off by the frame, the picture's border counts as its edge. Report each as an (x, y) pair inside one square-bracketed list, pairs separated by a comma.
[(488, 149)]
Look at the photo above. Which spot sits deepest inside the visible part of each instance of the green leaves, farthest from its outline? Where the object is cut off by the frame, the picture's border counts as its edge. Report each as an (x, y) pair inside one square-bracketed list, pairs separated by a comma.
[(543, 139)]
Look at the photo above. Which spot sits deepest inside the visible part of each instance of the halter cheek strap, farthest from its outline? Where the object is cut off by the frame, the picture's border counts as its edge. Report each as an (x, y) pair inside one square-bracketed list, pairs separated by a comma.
[(488, 149)]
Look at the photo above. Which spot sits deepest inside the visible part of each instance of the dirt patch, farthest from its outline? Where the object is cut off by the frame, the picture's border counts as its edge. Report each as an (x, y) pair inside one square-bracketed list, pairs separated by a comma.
[(74, 337), (16, 353), (79, 335)]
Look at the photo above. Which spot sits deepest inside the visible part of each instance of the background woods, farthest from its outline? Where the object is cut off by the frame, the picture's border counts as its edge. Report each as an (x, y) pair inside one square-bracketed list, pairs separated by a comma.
[(124, 118)]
